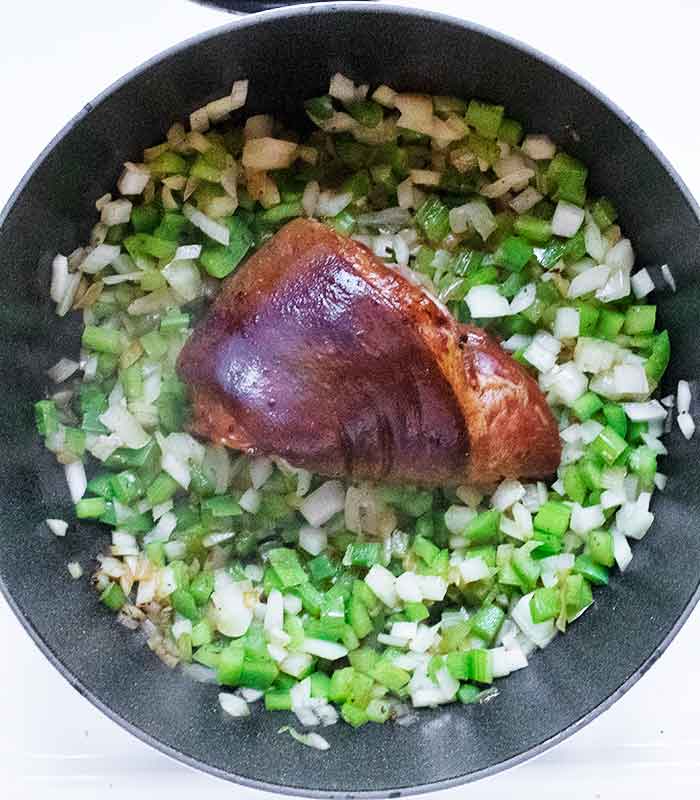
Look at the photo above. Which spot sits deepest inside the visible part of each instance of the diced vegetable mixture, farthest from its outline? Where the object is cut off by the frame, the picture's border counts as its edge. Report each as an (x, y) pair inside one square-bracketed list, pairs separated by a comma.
[(317, 596)]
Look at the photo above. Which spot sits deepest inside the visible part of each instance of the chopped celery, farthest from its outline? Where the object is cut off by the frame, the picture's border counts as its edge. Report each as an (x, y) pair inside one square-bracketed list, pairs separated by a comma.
[(533, 228), (485, 118), (545, 604), (589, 569), (609, 445), (603, 213), (587, 405), (553, 517), (220, 260), (433, 219), (513, 253)]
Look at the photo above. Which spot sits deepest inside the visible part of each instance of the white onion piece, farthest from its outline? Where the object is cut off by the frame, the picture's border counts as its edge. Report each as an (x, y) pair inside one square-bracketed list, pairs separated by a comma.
[(567, 219), (474, 569), (596, 246), (383, 584), (668, 276), (116, 212), (589, 281), (523, 299), (538, 147), (59, 278), (121, 422), (507, 494), (645, 412), (541, 633), (584, 519), (686, 425), (641, 284), (331, 651), (133, 180), (58, 527), (616, 287), (323, 503), (486, 302), (566, 323), (99, 258), (76, 479), (213, 229), (310, 739), (330, 204), (621, 550), (683, 397), (250, 501), (260, 469), (309, 200), (517, 341), (75, 570), (233, 705), (313, 540), (526, 200), (232, 614), (62, 370), (621, 256), (477, 214)]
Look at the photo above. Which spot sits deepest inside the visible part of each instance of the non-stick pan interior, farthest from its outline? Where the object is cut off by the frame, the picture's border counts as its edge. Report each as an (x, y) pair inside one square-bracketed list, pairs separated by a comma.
[(289, 56)]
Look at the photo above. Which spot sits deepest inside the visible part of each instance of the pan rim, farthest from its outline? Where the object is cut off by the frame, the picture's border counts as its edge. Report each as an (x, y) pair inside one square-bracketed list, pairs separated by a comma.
[(252, 21)]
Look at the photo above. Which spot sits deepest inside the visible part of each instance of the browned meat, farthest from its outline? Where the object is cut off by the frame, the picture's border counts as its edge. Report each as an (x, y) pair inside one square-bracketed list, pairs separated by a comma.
[(318, 352)]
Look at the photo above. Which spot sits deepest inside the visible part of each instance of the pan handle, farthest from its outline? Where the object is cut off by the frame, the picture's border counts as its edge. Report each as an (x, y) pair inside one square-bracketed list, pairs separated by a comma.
[(251, 6)]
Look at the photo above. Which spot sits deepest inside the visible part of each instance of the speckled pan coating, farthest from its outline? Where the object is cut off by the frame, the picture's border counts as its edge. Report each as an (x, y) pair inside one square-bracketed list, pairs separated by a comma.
[(289, 55)]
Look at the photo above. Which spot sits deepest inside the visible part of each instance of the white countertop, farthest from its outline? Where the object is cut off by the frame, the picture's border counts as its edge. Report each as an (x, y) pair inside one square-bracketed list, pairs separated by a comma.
[(54, 57)]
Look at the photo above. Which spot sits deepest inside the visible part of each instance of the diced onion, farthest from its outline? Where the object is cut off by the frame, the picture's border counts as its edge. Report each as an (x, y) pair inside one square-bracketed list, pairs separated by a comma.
[(312, 540), (322, 648), (75, 570), (668, 276), (526, 200), (233, 705), (621, 550), (213, 229), (486, 302), (566, 323), (76, 479), (541, 633), (232, 615), (589, 281), (323, 503), (267, 153), (250, 501), (309, 199), (523, 299), (99, 258), (58, 527), (686, 425), (383, 584), (567, 219), (117, 212), (641, 284), (683, 397), (331, 204), (260, 469), (133, 180), (477, 214), (538, 147), (474, 569), (62, 370), (645, 412), (507, 494)]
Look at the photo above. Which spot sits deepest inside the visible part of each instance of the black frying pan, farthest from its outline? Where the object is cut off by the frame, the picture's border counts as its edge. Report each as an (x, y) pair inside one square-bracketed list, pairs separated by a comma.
[(289, 56)]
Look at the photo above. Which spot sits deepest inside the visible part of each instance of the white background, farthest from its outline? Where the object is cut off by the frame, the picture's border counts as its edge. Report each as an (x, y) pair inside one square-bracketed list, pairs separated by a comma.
[(54, 57)]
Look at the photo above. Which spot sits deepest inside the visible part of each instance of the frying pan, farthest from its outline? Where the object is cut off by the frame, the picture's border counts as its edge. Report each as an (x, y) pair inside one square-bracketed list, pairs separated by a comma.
[(289, 55)]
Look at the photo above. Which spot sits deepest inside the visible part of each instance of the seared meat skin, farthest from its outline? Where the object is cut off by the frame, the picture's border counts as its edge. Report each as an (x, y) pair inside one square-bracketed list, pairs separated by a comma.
[(318, 352)]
